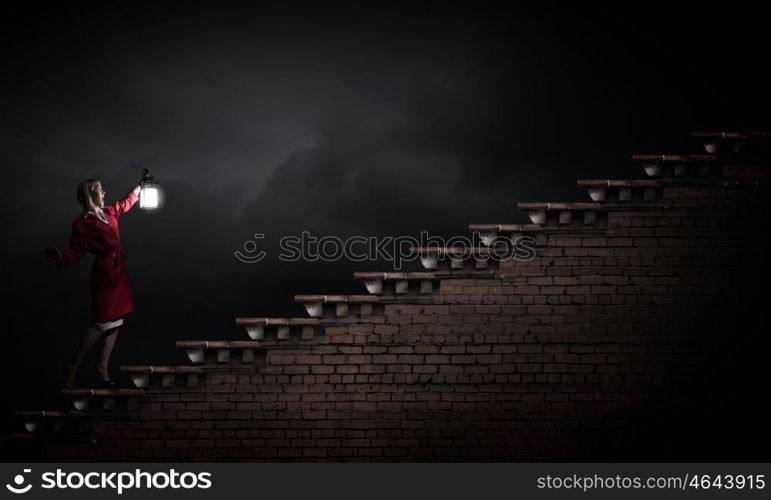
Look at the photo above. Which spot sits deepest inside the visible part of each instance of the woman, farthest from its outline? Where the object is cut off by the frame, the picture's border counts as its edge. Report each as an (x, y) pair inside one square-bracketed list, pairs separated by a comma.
[(96, 231)]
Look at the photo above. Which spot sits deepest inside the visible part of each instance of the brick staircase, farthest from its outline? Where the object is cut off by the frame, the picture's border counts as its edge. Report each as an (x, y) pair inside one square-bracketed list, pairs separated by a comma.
[(565, 355)]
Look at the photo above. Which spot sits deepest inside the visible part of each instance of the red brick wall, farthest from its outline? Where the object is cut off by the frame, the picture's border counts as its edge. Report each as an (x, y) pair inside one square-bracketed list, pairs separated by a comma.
[(632, 341)]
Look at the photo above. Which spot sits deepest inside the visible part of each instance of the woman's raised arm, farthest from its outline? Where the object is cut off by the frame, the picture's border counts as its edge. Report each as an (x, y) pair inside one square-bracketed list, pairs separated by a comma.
[(124, 205)]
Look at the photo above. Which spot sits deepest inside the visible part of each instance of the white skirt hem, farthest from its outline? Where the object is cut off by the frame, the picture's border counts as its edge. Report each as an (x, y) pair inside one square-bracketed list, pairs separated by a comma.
[(109, 324)]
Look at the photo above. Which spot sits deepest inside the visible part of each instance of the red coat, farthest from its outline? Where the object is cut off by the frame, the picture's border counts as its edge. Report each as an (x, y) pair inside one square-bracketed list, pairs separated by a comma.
[(110, 291)]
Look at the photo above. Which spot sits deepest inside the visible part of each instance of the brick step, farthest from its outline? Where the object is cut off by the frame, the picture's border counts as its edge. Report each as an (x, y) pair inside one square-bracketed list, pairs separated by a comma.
[(673, 167), (543, 236), (553, 216), (564, 214), (737, 142), (280, 329), (694, 170), (544, 239), (166, 376), (110, 399), (214, 352), (397, 283), (41, 421), (513, 236), (622, 191), (464, 260), (488, 233), (322, 323), (339, 305)]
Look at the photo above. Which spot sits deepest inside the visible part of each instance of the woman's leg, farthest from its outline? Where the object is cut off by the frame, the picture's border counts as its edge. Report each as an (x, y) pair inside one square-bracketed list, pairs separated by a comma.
[(104, 357), (86, 341)]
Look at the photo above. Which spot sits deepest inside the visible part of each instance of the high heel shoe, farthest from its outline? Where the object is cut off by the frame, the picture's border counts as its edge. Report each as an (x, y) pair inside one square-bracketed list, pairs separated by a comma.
[(106, 383), (67, 385)]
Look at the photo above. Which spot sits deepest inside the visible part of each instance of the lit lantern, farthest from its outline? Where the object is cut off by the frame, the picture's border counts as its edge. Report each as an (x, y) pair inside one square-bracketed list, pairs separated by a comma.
[(149, 196)]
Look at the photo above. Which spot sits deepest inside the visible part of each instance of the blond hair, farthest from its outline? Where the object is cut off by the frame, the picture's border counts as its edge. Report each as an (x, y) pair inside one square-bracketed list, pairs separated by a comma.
[(87, 194)]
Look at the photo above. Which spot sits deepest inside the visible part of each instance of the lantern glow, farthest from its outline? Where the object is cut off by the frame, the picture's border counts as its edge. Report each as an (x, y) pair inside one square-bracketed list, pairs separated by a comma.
[(149, 196)]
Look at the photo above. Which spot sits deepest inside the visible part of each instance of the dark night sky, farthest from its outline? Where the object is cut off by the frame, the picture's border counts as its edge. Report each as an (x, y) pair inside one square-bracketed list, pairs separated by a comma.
[(360, 119)]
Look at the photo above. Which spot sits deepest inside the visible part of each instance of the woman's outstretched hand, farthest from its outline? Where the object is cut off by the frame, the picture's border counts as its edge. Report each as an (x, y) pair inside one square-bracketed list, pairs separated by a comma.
[(52, 253), (145, 172)]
